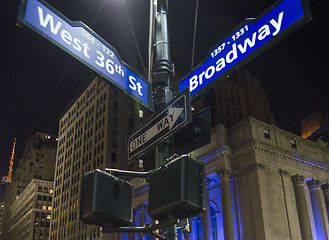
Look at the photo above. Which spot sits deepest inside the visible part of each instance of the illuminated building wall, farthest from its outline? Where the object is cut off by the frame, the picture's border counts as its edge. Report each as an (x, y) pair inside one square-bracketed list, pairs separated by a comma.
[(37, 162), (92, 135), (30, 213), (263, 183)]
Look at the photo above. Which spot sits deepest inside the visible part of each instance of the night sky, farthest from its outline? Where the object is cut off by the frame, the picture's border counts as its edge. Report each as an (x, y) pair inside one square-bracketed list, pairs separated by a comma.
[(38, 80)]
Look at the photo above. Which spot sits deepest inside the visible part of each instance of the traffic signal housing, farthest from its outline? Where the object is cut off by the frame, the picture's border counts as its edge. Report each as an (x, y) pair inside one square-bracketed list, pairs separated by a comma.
[(105, 200), (176, 189)]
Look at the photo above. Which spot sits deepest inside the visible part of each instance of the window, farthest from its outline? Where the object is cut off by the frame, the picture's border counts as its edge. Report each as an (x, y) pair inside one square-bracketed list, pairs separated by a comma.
[(267, 134), (213, 223), (140, 113), (114, 157), (130, 110), (115, 105), (131, 123), (114, 130), (114, 143), (115, 117), (293, 143)]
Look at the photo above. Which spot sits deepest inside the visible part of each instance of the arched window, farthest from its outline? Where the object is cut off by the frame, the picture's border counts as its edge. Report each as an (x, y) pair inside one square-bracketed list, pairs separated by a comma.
[(213, 223)]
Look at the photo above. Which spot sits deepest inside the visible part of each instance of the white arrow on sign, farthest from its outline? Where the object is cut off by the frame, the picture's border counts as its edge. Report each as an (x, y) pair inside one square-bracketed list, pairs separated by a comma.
[(168, 121)]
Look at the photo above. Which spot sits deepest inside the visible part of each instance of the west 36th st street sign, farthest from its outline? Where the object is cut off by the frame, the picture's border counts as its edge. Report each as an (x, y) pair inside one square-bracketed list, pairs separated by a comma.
[(79, 41), (173, 117), (246, 41)]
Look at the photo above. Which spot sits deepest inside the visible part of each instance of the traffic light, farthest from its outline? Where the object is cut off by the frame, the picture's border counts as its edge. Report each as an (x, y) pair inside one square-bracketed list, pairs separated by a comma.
[(105, 200), (176, 189)]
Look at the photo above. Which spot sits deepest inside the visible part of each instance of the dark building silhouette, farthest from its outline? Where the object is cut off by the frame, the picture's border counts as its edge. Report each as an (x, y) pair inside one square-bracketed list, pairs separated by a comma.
[(316, 126), (236, 98)]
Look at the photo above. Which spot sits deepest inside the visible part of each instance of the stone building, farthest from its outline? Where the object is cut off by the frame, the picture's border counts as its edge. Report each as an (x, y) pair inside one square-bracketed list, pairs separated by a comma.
[(262, 183), (30, 213)]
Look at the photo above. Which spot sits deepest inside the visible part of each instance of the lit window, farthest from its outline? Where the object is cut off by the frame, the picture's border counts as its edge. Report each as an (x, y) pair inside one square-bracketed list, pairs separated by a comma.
[(49, 208), (293, 143), (140, 113), (267, 134), (44, 207)]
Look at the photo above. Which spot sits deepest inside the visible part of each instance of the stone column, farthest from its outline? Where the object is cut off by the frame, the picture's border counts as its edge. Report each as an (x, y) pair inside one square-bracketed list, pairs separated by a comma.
[(319, 209), (131, 236), (290, 201), (188, 236), (261, 216), (206, 220), (142, 218), (302, 208), (325, 189), (224, 176)]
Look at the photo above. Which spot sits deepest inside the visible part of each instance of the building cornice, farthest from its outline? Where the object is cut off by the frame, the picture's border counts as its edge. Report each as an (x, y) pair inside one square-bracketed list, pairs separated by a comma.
[(222, 152), (291, 156)]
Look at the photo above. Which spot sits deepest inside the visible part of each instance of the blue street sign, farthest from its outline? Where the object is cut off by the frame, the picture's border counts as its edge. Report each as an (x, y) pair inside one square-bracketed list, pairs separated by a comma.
[(79, 41), (247, 40), (173, 117)]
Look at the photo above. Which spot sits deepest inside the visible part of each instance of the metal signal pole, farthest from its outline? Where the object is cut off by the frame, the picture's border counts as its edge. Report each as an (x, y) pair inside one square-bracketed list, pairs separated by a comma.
[(162, 72)]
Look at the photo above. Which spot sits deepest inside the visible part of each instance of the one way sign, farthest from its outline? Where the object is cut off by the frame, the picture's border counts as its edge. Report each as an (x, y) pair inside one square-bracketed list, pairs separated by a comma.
[(174, 116)]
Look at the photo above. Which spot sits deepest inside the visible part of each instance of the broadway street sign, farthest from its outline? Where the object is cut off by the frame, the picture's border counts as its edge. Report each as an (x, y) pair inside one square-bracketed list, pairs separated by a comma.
[(246, 41), (79, 41), (174, 116)]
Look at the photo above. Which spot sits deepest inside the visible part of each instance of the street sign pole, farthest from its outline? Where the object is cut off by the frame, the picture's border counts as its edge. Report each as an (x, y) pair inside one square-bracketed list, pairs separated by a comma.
[(163, 70)]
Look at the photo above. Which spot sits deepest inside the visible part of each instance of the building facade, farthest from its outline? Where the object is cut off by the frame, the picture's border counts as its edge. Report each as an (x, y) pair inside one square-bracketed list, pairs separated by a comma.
[(37, 162), (92, 135), (30, 213), (261, 183), (2, 208)]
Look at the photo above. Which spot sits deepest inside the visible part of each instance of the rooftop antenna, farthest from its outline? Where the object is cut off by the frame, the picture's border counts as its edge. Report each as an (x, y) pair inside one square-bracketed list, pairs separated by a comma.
[(8, 178)]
